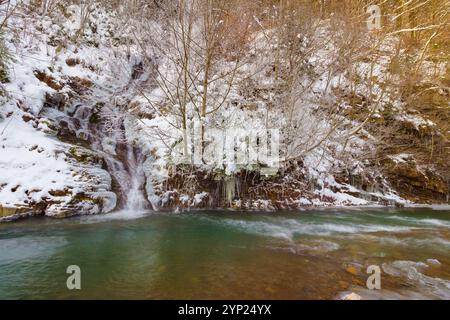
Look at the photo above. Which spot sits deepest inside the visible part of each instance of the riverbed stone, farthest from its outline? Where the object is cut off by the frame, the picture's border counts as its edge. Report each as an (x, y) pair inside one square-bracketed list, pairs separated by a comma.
[(433, 262), (351, 296), (352, 270)]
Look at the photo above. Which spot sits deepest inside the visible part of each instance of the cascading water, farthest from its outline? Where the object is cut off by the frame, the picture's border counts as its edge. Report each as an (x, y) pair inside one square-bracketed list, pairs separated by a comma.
[(123, 159), (135, 200), (106, 127)]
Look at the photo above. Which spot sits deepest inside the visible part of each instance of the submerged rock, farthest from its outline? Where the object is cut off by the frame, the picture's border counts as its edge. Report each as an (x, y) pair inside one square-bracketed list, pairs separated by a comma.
[(351, 296), (433, 262), (352, 270)]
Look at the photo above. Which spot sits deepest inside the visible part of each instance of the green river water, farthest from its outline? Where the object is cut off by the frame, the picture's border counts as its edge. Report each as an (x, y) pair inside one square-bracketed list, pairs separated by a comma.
[(312, 254)]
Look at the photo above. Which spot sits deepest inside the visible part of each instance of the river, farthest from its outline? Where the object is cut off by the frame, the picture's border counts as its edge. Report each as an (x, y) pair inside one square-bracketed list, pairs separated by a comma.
[(311, 254)]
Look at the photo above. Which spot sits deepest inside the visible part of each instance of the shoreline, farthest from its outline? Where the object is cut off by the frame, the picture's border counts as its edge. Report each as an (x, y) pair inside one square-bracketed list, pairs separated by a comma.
[(135, 214)]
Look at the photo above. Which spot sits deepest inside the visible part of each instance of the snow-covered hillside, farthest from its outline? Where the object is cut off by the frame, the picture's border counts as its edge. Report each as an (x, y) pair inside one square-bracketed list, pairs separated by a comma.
[(49, 79), (102, 111)]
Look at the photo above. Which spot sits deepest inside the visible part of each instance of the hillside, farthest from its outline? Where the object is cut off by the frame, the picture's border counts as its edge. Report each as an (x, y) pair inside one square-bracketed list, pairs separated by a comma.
[(256, 105)]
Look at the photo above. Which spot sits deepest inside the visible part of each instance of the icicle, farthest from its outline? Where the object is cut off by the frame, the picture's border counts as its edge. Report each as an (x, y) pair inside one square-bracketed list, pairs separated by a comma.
[(229, 188)]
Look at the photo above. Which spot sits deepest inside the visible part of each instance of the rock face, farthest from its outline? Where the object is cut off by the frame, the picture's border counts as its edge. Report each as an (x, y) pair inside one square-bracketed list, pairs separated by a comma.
[(45, 170), (95, 195), (86, 189), (8, 214), (415, 183)]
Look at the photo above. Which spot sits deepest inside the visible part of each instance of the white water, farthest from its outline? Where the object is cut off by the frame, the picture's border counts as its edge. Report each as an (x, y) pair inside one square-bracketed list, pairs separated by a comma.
[(289, 228), (127, 169), (131, 179), (135, 196)]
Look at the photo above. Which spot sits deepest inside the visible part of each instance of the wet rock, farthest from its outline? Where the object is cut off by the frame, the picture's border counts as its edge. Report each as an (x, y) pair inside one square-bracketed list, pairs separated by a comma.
[(433, 262), (80, 85), (71, 62), (48, 126), (56, 211), (5, 211), (57, 101), (59, 193), (48, 79), (81, 204), (13, 213), (351, 296), (84, 156), (107, 200), (352, 270), (27, 117)]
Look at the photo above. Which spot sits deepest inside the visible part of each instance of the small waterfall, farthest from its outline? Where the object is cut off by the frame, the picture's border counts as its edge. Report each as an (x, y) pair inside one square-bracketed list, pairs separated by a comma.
[(117, 169), (135, 200), (123, 159), (106, 127)]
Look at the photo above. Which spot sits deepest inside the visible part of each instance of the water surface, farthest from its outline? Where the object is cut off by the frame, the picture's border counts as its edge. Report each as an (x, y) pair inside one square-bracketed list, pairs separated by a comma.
[(313, 254)]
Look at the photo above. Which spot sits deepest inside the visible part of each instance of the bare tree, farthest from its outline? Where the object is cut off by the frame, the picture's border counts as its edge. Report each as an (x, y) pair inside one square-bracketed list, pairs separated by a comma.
[(200, 60), (48, 6)]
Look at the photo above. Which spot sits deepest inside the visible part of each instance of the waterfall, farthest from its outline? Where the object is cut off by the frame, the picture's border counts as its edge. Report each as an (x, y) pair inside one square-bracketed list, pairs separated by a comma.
[(135, 200), (106, 127), (123, 159)]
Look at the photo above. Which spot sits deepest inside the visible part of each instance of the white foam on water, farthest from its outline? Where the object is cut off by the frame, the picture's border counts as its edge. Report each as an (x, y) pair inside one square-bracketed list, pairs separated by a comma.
[(117, 215), (436, 222), (313, 246), (417, 221), (384, 294), (261, 228), (318, 246), (435, 243), (411, 270), (288, 228)]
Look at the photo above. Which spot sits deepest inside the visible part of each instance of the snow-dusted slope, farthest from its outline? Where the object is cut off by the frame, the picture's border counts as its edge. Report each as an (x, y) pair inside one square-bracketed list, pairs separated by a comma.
[(50, 78), (86, 125)]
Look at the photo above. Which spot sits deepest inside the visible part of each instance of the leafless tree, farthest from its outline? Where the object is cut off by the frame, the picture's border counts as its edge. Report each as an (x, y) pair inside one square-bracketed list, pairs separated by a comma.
[(202, 59)]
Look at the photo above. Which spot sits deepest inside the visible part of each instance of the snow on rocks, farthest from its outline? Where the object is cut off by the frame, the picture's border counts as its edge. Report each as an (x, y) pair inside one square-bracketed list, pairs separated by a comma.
[(416, 121), (38, 173), (41, 174), (30, 164)]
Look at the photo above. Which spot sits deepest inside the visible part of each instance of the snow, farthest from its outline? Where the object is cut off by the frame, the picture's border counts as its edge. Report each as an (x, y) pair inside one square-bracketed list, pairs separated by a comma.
[(418, 121), (30, 164), (304, 202), (341, 198), (33, 163), (198, 198), (401, 158)]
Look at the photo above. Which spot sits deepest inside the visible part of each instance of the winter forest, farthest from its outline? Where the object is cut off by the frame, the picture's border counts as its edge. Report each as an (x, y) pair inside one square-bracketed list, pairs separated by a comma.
[(179, 104)]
